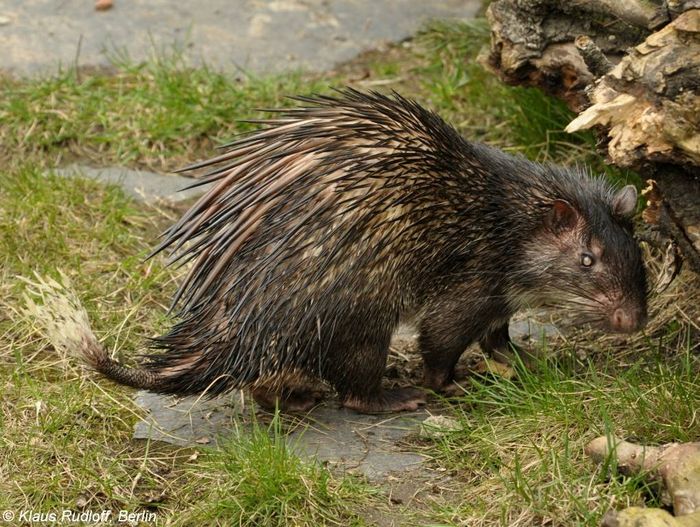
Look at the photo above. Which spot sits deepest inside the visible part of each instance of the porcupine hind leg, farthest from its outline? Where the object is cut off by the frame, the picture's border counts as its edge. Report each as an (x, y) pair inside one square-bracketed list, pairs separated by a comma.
[(289, 395), (356, 370)]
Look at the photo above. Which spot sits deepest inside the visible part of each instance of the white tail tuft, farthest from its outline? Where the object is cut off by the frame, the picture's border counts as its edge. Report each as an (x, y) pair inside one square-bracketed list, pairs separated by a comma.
[(58, 314)]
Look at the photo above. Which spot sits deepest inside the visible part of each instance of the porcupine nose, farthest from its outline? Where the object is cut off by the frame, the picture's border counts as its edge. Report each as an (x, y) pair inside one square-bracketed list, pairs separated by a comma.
[(627, 320)]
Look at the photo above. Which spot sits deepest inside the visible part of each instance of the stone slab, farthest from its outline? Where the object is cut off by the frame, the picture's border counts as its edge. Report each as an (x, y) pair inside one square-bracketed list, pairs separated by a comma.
[(140, 184), (258, 36), (366, 444)]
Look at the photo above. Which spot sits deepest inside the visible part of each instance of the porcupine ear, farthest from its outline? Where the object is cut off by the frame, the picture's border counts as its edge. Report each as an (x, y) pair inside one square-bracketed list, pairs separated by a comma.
[(625, 201), (562, 216)]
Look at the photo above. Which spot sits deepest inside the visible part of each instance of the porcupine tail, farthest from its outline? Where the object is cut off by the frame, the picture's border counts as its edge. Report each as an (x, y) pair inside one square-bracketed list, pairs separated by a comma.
[(62, 319)]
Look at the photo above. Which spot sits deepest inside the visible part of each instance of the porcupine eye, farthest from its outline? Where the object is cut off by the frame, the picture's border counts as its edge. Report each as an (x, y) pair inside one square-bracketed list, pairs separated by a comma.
[(587, 260)]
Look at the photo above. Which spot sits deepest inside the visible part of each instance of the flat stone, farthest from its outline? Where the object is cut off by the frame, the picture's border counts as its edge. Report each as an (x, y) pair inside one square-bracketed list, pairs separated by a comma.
[(259, 36), (365, 444), (528, 327), (140, 184)]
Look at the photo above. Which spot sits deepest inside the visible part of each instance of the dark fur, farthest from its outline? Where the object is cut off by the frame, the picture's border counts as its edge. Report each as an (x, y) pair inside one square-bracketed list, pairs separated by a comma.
[(391, 214)]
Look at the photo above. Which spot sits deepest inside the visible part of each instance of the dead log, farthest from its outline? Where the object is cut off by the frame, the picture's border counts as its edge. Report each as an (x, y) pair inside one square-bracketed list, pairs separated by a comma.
[(631, 69)]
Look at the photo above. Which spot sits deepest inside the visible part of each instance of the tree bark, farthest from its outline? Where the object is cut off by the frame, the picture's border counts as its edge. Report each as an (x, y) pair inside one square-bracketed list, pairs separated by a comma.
[(631, 70)]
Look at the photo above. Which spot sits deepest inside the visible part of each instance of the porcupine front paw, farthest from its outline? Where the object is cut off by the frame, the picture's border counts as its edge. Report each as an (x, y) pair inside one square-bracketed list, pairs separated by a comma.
[(512, 355), (501, 348), (442, 381), (396, 400)]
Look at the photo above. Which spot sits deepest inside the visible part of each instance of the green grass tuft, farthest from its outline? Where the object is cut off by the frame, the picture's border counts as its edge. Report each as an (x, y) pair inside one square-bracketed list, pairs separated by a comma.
[(155, 114), (255, 479)]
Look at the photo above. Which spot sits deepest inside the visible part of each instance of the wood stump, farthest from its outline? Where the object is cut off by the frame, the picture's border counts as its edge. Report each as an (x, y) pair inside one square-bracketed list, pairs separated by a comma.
[(631, 70)]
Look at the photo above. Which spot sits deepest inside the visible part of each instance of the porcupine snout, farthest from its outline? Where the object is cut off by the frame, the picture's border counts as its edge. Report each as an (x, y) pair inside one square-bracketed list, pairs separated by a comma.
[(628, 319)]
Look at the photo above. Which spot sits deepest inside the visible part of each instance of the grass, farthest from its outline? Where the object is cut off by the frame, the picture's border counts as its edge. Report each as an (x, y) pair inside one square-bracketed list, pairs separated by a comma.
[(65, 437), (157, 115), (254, 479), (62, 435), (519, 446)]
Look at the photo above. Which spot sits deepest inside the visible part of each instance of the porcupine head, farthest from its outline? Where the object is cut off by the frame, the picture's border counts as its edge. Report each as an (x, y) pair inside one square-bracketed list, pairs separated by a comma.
[(324, 230)]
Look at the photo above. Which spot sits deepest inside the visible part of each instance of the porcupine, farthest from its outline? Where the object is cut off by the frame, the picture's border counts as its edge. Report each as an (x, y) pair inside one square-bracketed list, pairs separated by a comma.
[(340, 218)]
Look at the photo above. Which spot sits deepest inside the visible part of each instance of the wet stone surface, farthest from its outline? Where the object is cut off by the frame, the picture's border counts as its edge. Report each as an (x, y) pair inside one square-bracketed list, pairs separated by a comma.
[(362, 443), (366, 444), (259, 36)]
